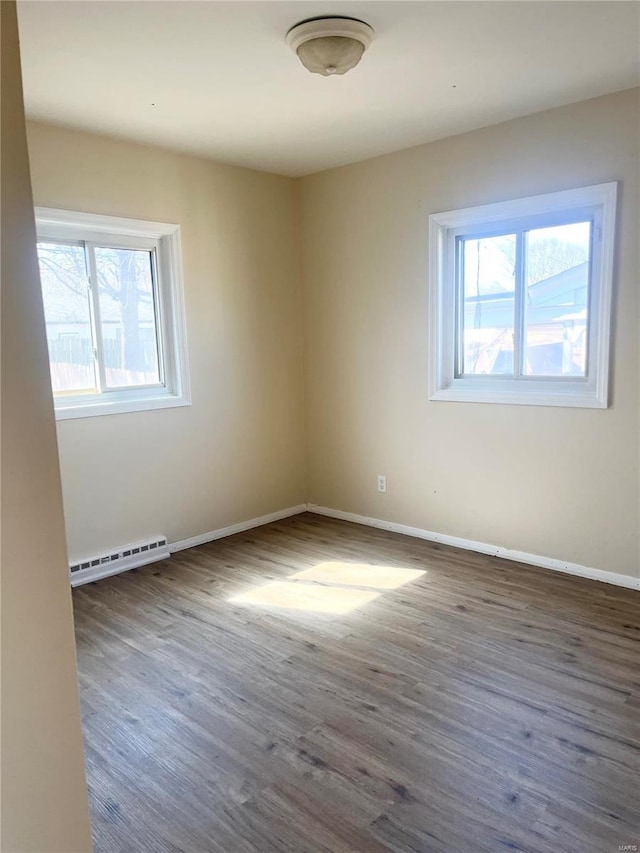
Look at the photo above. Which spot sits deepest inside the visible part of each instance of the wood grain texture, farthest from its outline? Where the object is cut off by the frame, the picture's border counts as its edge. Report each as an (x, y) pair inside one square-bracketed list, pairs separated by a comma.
[(484, 706)]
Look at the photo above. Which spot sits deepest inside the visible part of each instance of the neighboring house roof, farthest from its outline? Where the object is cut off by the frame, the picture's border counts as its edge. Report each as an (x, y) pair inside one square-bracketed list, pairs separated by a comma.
[(551, 300)]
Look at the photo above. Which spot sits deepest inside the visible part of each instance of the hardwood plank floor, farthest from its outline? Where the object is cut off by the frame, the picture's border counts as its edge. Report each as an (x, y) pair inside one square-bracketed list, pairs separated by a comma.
[(483, 706)]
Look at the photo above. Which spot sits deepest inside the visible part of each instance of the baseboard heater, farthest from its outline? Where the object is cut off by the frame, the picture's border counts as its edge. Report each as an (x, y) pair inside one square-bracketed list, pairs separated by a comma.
[(114, 562)]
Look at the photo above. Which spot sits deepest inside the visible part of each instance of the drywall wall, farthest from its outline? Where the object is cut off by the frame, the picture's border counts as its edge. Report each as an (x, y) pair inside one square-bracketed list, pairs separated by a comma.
[(238, 451), (44, 800), (556, 482)]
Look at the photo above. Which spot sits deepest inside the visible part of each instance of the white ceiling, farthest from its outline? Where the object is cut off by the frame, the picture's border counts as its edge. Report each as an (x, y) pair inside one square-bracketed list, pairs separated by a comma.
[(217, 79)]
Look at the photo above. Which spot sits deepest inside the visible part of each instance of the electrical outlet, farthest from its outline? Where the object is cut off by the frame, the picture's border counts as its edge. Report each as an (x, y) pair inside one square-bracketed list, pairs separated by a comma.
[(382, 483)]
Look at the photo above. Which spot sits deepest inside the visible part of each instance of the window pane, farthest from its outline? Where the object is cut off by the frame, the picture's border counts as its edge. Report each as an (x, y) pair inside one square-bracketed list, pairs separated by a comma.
[(66, 309), (488, 310), (556, 300), (127, 317)]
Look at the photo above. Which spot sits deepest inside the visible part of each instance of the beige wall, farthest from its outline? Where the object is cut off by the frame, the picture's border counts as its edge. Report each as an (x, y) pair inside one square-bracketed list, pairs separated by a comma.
[(560, 483), (44, 801), (238, 451)]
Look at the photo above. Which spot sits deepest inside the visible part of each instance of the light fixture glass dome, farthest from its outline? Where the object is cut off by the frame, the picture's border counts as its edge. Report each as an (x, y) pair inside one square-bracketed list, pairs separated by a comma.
[(330, 55), (330, 46)]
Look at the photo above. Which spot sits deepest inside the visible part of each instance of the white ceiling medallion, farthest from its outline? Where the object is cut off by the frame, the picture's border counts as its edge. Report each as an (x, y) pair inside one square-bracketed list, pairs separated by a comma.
[(330, 46)]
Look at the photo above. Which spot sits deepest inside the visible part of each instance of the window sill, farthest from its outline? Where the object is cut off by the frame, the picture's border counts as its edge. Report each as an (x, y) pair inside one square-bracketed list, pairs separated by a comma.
[(580, 395), (70, 410)]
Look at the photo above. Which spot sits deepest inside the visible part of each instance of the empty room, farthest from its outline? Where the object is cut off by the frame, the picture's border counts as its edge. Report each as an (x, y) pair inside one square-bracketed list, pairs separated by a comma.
[(320, 426)]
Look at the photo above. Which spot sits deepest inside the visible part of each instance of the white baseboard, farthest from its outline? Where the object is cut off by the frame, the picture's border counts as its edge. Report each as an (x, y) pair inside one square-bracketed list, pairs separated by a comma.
[(124, 564), (241, 526), (483, 548), (133, 562)]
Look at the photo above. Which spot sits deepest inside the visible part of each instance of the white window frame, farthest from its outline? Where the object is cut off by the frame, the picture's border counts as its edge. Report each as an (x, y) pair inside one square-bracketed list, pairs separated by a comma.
[(164, 240), (597, 203)]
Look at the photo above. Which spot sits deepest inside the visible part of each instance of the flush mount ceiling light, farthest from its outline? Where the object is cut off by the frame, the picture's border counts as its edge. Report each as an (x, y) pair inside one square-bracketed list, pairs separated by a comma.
[(330, 46)]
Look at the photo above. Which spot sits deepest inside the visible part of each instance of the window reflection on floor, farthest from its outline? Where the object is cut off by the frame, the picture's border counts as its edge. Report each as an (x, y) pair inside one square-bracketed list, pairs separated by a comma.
[(332, 587), (359, 574), (306, 596)]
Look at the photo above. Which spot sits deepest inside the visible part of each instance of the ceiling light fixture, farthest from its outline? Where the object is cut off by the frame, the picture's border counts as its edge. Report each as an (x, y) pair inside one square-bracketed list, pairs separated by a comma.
[(330, 46)]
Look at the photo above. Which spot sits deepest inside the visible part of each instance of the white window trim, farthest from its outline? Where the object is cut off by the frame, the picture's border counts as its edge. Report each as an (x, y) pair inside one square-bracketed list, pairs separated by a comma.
[(165, 238), (587, 392)]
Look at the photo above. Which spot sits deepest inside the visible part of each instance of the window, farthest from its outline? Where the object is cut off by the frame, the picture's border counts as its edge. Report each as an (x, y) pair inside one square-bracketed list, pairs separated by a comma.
[(520, 300), (113, 304)]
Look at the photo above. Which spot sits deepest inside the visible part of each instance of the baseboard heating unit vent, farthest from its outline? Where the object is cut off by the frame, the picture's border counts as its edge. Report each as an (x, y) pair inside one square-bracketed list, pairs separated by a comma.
[(126, 557)]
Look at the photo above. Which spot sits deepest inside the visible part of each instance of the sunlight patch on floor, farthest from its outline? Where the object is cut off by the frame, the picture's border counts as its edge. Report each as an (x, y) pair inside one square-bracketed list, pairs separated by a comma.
[(306, 596), (359, 574), (334, 587)]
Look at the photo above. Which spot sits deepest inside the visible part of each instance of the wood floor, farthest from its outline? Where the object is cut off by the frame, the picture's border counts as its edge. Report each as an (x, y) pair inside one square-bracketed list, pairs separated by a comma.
[(483, 706)]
